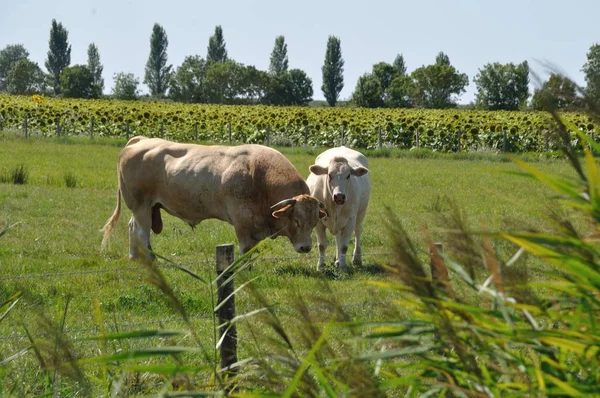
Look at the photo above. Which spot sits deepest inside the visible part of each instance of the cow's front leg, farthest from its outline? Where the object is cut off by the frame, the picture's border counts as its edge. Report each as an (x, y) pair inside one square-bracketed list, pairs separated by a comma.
[(357, 255), (342, 239), (322, 242)]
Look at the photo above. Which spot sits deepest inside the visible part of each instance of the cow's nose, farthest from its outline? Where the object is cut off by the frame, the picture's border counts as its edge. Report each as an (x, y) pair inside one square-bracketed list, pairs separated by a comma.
[(305, 249), (339, 198)]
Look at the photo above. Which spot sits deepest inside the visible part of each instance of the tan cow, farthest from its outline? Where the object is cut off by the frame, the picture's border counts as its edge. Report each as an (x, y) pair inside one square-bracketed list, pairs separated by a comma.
[(339, 178), (252, 187)]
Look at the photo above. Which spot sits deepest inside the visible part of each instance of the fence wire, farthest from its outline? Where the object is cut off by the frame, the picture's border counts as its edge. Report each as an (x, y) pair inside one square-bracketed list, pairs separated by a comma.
[(46, 275), (174, 319)]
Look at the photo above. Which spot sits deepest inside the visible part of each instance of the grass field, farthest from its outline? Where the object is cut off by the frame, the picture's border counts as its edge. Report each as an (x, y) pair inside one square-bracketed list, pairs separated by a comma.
[(53, 251)]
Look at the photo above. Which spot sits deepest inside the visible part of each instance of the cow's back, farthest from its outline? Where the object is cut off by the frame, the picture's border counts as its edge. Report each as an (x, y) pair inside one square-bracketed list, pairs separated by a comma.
[(196, 182)]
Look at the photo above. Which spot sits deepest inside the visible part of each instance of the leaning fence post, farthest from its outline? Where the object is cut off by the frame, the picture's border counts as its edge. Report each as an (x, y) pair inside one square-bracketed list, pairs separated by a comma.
[(92, 127), (25, 125), (306, 135), (268, 135), (196, 131), (226, 307), (229, 130), (379, 137), (58, 125)]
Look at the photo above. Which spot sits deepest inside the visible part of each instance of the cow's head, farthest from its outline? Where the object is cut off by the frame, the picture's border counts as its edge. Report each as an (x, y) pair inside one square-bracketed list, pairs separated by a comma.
[(296, 218), (338, 177)]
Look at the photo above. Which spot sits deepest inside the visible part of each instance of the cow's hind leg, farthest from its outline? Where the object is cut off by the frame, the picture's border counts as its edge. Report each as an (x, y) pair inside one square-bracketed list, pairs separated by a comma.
[(139, 232)]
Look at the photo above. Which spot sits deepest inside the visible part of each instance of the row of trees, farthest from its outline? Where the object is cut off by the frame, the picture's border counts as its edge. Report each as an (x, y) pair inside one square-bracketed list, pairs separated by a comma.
[(214, 79), (222, 80)]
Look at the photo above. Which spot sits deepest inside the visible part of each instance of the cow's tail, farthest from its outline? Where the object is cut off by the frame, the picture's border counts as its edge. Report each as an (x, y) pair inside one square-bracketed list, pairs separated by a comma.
[(112, 221)]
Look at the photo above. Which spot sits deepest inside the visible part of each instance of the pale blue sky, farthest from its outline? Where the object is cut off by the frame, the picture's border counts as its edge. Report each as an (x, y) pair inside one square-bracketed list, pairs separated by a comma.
[(471, 32)]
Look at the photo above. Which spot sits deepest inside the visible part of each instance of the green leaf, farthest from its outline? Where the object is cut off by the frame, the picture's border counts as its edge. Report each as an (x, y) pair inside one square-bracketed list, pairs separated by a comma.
[(139, 334), (140, 354)]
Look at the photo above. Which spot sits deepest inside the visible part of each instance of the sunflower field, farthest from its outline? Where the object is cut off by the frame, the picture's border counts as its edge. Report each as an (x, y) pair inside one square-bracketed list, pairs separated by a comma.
[(438, 130)]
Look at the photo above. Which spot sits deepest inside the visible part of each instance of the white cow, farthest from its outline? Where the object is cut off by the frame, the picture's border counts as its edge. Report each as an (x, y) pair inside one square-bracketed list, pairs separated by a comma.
[(339, 178)]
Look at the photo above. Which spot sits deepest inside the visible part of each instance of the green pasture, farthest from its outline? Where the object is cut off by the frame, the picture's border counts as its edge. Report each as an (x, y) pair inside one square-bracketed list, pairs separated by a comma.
[(52, 251)]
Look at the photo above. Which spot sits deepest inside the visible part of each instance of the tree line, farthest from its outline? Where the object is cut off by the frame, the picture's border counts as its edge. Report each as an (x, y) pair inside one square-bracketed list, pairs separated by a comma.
[(218, 79)]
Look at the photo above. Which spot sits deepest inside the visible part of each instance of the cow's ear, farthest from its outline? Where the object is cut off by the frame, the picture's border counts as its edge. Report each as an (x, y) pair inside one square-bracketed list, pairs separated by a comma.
[(318, 170), (359, 171), (282, 211)]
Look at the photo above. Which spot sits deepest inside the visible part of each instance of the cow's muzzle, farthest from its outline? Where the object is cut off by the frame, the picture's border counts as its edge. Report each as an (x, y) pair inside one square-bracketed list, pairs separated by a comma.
[(303, 249), (339, 198)]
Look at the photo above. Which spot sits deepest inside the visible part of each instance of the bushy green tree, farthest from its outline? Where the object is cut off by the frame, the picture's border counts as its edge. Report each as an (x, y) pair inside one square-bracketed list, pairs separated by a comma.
[(254, 85), (591, 69), (25, 78), (437, 85), (222, 82), (370, 95), (502, 86), (368, 92), (279, 58), (125, 86), (77, 82), (301, 92), (557, 92), (188, 82), (293, 88), (400, 93), (333, 71), (95, 66), (9, 55), (59, 54), (158, 73), (216, 47)]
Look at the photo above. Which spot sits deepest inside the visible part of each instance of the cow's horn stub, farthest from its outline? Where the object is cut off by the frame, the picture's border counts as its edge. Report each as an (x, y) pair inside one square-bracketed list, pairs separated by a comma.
[(283, 203)]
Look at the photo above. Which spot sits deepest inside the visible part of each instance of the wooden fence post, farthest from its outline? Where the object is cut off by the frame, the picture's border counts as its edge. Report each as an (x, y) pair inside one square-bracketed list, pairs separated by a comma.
[(306, 135), (226, 311), (162, 129), (417, 139), (127, 130), (92, 127), (546, 140), (268, 135), (505, 143), (25, 125), (343, 133), (229, 129), (458, 148), (379, 143), (196, 131), (58, 126)]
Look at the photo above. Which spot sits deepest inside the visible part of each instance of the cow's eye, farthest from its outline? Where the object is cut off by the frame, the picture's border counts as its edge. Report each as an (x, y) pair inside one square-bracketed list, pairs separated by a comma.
[(298, 223)]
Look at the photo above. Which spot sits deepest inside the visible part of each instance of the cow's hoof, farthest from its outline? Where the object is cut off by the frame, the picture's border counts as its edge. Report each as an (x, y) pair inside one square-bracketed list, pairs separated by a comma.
[(321, 267), (357, 261)]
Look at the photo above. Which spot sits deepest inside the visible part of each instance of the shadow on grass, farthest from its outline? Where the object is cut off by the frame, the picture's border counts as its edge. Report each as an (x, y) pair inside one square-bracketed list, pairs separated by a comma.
[(330, 271)]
